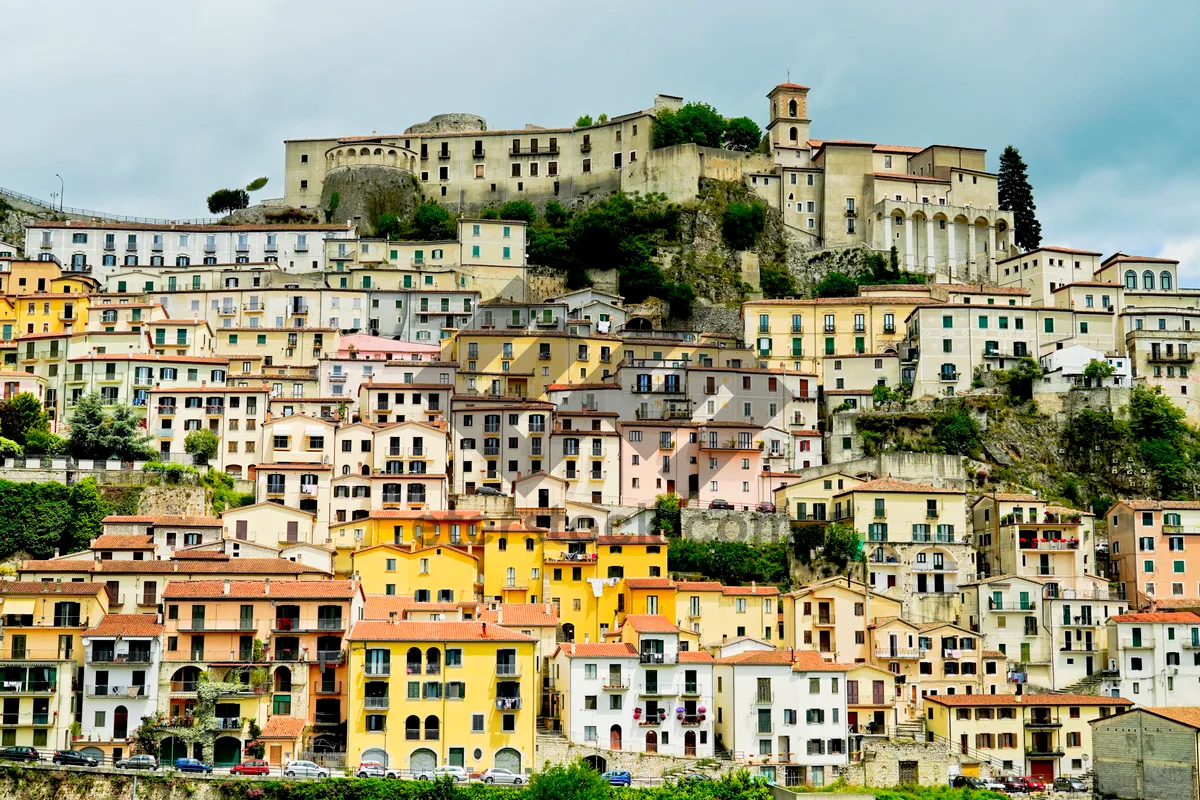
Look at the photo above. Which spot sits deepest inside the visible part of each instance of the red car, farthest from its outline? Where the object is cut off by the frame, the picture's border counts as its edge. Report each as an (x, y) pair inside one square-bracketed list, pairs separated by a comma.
[(251, 768), (1035, 784)]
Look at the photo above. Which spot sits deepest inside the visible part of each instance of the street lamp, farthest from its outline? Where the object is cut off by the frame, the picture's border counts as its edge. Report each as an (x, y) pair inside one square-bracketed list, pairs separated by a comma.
[(61, 188)]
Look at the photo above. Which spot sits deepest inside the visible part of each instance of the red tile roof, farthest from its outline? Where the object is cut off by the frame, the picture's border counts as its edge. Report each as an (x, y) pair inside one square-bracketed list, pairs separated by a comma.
[(649, 583), (811, 661), (749, 590), (380, 607), (236, 566), (890, 485), (127, 625), (699, 586), (470, 631), (116, 541), (650, 623), (638, 539), (50, 587), (598, 650), (769, 657), (524, 615), (164, 519), (1050, 699), (1181, 617), (283, 727), (1187, 715), (273, 590), (695, 657), (1165, 505)]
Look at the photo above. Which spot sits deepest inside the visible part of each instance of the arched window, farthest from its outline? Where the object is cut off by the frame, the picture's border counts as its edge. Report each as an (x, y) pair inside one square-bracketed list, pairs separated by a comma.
[(433, 661), (412, 727), (182, 261), (412, 661), (1147, 280), (793, 135), (1164, 281), (1130, 280), (529, 545), (792, 108), (502, 545), (431, 727)]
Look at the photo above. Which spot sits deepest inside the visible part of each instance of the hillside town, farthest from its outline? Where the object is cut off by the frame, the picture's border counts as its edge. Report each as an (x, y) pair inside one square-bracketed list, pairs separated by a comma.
[(446, 454)]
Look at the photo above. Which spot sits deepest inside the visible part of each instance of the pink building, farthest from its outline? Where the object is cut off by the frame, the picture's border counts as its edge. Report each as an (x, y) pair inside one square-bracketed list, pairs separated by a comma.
[(730, 465), (655, 459), (15, 382), (381, 348)]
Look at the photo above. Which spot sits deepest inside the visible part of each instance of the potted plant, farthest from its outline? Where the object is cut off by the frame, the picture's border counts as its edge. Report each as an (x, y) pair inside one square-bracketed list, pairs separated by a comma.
[(76, 730), (637, 713), (679, 713)]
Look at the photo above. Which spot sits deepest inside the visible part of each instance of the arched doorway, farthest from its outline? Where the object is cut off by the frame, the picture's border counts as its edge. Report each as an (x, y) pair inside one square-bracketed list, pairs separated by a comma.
[(689, 743), (120, 722), (509, 759), (431, 728), (172, 748), (651, 741), (614, 737), (422, 760), (598, 763), (568, 632), (227, 751), (638, 324), (185, 679), (283, 679), (374, 754)]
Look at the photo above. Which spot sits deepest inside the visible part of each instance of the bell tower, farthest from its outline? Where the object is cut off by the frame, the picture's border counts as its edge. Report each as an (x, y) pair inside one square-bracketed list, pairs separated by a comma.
[(789, 115)]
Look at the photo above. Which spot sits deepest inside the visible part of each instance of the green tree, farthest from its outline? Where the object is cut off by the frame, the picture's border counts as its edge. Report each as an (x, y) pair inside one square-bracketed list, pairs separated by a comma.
[(843, 544), (222, 201), (256, 184), (1015, 194), (1020, 378), (958, 432), (87, 512), (21, 415), (335, 200), (388, 226), (695, 123), (1097, 371), (742, 223), (584, 122), (603, 118), (556, 216), (46, 443), (202, 444), (836, 284), (521, 210), (433, 222), (679, 297), (97, 435), (742, 133), (640, 281), (9, 448), (807, 538), (574, 781), (666, 514), (776, 281)]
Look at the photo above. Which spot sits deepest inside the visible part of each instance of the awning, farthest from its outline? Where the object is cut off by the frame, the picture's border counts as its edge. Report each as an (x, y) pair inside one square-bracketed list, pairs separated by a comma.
[(18, 605)]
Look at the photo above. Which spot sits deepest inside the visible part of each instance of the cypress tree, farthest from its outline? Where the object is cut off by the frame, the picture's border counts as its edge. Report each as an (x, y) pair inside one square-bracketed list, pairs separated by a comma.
[(1016, 195)]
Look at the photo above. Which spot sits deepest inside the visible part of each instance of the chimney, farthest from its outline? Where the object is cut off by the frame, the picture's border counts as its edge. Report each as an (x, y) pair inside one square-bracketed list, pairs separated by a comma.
[(267, 586), (225, 589), (485, 630), (56, 552), (392, 615)]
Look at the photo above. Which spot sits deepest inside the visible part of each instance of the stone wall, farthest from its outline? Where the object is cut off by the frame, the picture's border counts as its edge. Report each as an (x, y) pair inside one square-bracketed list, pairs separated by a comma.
[(367, 190), (1064, 405), (543, 283), (880, 765), (706, 525), (717, 319), (604, 280), (932, 468), (449, 123), (186, 501), (558, 750)]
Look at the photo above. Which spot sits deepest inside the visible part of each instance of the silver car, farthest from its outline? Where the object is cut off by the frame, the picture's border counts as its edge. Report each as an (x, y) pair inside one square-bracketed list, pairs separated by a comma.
[(304, 769), (456, 774), (499, 775)]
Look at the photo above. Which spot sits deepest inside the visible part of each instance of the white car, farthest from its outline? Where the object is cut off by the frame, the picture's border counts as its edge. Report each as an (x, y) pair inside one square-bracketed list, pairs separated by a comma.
[(456, 774), (304, 769), (374, 769), (498, 775)]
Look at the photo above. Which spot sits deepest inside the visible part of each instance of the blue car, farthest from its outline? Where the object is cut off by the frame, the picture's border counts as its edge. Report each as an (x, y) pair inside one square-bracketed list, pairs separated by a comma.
[(191, 765), (618, 777)]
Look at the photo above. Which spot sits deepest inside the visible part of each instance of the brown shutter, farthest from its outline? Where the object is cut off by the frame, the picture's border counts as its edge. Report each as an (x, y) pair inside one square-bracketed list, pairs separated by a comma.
[(241, 529)]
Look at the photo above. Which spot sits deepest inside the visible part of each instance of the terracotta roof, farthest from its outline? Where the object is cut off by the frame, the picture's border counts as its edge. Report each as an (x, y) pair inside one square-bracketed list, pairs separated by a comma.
[(790, 86), (1006, 497), (962, 288), (1187, 715), (1177, 602), (50, 587), (283, 727), (649, 583), (164, 519), (639, 539), (271, 590), (650, 623), (379, 606), (695, 657), (699, 586), (241, 566), (470, 631), (188, 554), (533, 615), (598, 650), (783, 658), (215, 390), (890, 485), (1121, 258), (116, 541), (563, 387), (1026, 700), (180, 227), (1165, 505), (749, 590), (569, 536), (127, 625), (843, 301), (1158, 616), (993, 654), (811, 661)]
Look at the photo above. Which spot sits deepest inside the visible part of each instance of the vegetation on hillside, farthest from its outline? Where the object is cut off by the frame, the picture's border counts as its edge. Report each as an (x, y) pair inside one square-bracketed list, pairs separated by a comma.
[(1015, 194), (734, 563), (878, 269), (700, 123), (40, 518)]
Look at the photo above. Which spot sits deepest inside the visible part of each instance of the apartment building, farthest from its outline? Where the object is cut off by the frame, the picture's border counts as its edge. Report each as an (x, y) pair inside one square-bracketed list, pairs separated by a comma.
[(1149, 554), (236, 414), (585, 451), (1043, 735), (278, 347), (1044, 271), (361, 357), (423, 393), (784, 714), (48, 312), (833, 617), (149, 537), (128, 378), (1065, 369), (1155, 654), (123, 655), (107, 247), (463, 702), (497, 440), (112, 315), (724, 613)]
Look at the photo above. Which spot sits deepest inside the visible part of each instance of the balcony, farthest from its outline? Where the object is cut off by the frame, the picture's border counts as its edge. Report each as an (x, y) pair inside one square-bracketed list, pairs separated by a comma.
[(508, 670), (115, 691), (508, 704), (27, 687), (109, 244), (764, 698), (825, 619), (1011, 606), (656, 658), (210, 247), (271, 247), (622, 685), (375, 703), (656, 690), (533, 151), (1049, 544), (1137, 644), (378, 670), (1159, 357), (1043, 722), (691, 720), (119, 658), (948, 377), (327, 718), (1044, 751), (897, 652), (131, 247), (203, 625), (214, 411)]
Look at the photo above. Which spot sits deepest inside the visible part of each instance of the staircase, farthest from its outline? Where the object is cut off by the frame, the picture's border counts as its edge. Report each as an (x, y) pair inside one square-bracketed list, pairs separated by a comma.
[(1091, 684), (914, 730)]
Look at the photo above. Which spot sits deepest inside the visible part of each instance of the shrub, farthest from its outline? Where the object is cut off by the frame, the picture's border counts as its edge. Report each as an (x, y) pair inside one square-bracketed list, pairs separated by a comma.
[(556, 216), (519, 210), (202, 444), (433, 222), (776, 281), (836, 284), (742, 223), (388, 226)]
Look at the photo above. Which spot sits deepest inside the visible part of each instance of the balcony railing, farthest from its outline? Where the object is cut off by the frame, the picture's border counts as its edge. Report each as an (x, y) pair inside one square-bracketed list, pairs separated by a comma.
[(508, 704), (98, 690), (187, 625), (378, 670), (28, 687), (327, 687), (508, 670), (1011, 606), (119, 658), (380, 703), (897, 652)]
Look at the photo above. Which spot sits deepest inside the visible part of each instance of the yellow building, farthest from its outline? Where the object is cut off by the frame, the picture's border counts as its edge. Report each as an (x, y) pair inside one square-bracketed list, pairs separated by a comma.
[(722, 613), (571, 564), (295, 347), (467, 697), (50, 313), (812, 500), (1043, 735), (832, 617), (398, 526), (438, 573), (42, 650)]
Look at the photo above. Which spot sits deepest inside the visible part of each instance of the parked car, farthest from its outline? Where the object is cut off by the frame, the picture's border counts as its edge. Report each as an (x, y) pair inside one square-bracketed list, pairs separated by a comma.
[(19, 753), (140, 761), (1014, 784), (966, 782), (489, 491), (1064, 784), (456, 774), (304, 769), (74, 758), (993, 784), (766, 508), (191, 765), (374, 769), (720, 505), (1035, 784), (251, 768), (618, 777), (498, 775)]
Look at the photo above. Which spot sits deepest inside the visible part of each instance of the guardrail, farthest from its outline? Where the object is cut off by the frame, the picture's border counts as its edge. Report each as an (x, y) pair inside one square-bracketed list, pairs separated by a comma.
[(85, 212)]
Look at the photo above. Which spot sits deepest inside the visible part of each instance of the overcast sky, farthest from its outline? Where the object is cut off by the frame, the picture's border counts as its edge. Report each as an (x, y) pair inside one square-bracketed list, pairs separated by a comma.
[(145, 108)]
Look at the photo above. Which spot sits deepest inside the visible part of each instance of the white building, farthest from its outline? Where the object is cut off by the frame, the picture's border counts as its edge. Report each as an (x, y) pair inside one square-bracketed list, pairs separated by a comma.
[(122, 654), (1155, 654), (1064, 369)]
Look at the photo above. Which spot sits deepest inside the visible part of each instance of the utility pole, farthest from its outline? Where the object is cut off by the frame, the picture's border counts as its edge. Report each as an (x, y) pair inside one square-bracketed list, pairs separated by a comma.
[(61, 189)]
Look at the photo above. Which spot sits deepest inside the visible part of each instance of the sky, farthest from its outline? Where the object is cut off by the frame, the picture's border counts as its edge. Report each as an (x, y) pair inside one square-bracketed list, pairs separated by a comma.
[(144, 108)]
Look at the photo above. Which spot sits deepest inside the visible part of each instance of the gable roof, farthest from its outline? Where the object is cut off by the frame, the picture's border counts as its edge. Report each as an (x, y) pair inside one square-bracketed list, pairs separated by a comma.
[(650, 623), (283, 727), (532, 615), (164, 519), (1181, 617), (1185, 715), (117, 541), (405, 631), (265, 589), (597, 650), (51, 587), (126, 625), (891, 485)]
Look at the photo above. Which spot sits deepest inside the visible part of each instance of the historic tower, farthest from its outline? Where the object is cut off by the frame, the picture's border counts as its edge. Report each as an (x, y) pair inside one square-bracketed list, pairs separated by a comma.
[(789, 116)]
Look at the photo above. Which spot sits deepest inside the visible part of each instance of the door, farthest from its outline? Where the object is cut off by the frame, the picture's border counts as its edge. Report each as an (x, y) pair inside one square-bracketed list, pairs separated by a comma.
[(670, 487), (1042, 770), (276, 754), (423, 760), (614, 737), (1025, 659), (1089, 665)]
